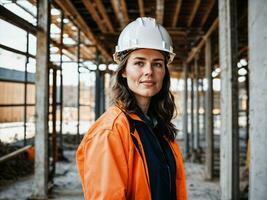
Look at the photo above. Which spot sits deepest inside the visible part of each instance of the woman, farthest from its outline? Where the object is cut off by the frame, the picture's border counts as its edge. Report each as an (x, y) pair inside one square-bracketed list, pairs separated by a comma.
[(130, 152)]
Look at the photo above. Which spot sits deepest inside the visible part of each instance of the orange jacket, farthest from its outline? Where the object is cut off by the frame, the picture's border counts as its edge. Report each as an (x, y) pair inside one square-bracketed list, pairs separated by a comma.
[(110, 165)]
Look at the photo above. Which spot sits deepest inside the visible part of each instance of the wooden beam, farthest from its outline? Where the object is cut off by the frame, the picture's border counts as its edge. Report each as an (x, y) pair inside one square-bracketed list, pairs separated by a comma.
[(98, 13), (202, 42), (120, 10), (193, 12), (176, 12), (103, 12), (207, 12), (91, 8), (68, 7), (160, 11), (141, 8)]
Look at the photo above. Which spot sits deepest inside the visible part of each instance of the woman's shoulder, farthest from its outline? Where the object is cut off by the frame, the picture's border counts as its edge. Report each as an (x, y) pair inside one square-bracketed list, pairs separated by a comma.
[(113, 120)]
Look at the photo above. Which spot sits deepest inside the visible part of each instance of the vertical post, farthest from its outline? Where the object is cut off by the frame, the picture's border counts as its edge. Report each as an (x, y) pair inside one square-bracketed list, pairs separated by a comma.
[(196, 69), (25, 90), (97, 87), (208, 114), (102, 90), (203, 117), (40, 187), (229, 154), (78, 89), (61, 83), (54, 120), (185, 114), (192, 114), (258, 98)]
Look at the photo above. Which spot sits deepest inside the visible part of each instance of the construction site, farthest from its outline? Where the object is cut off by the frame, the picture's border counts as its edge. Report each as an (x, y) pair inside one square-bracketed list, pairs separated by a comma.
[(56, 73)]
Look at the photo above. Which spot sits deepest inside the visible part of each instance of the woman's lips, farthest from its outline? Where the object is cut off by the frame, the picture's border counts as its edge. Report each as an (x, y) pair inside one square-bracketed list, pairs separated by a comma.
[(147, 83)]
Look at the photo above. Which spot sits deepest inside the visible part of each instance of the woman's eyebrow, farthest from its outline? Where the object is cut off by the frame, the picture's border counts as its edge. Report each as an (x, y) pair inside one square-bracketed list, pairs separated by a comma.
[(139, 58), (143, 58)]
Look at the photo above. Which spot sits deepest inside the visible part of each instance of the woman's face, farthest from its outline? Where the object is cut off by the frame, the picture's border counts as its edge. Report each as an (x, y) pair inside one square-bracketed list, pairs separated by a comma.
[(145, 71)]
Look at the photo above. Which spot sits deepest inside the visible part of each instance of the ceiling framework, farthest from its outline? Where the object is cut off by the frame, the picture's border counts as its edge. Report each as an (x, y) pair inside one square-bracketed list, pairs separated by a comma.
[(67, 7), (98, 13), (189, 23)]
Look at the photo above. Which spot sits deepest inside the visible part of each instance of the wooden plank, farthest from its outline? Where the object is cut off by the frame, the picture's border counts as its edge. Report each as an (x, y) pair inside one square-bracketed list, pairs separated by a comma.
[(176, 12), (193, 12), (121, 13), (141, 8), (160, 11), (68, 7), (202, 42)]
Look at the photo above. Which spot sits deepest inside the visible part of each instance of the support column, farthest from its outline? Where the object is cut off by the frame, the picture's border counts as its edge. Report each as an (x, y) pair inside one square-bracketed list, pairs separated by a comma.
[(192, 116), (97, 87), (185, 114), (102, 92), (229, 150), (196, 138), (79, 85), (61, 83), (26, 91), (209, 161), (258, 98), (40, 188)]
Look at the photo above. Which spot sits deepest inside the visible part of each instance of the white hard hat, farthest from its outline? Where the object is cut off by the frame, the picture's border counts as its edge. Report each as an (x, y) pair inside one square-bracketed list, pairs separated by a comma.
[(144, 32)]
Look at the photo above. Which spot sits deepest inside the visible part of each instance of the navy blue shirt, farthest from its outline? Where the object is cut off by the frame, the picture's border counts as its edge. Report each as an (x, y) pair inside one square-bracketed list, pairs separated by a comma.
[(160, 159)]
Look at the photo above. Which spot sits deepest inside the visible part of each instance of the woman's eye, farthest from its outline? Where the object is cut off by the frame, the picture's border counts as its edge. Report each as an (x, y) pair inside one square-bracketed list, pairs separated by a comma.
[(159, 65), (139, 64)]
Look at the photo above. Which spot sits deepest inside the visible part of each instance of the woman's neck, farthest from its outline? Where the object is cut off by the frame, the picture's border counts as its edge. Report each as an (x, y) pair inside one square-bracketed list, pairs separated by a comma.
[(143, 104)]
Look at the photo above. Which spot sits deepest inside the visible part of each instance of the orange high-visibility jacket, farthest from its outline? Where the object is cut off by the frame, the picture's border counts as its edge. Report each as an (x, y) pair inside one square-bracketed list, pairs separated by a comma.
[(110, 165)]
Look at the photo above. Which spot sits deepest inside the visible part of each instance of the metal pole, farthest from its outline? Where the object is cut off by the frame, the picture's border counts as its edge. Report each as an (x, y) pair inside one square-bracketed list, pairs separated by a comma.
[(25, 90), (185, 114), (78, 96)]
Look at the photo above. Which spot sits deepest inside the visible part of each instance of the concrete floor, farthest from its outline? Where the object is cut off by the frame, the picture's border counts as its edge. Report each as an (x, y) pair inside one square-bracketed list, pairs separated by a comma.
[(67, 184)]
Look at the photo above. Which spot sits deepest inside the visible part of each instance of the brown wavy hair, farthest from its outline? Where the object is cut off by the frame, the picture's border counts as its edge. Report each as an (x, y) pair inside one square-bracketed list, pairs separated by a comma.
[(161, 105)]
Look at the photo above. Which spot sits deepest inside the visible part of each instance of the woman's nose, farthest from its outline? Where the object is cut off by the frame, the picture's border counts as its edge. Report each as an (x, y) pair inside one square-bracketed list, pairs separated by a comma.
[(148, 69)]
